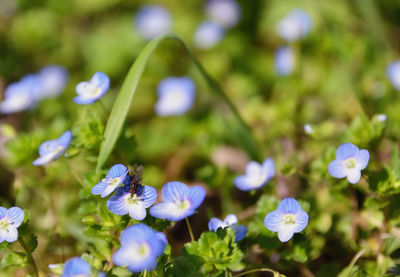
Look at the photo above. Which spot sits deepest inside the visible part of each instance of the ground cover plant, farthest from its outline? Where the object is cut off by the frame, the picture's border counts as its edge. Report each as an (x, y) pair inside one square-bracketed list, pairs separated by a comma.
[(199, 138)]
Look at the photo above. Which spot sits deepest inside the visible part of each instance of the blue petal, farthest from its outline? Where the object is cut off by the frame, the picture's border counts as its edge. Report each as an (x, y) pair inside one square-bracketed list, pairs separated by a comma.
[(289, 205), (117, 170), (3, 212), (301, 221), (241, 183), (16, 215), (284, 61), (230, 220), (196, 196), (336, 169), (150, 195), (214, 224), (208, 34), (170, 211), (362, 159), (65, 139), (269, 167), (346, 150), (43, 160), (272, 221), (75, 266), (101, 80), (126, 257), (174, 191), (240, 232), (83, 101), (153, 20), (99, 188), (117, 205)]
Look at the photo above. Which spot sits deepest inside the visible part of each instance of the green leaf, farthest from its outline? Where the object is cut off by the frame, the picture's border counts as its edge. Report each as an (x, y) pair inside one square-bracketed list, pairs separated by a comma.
[(216, 250), (124, 99), (13, 259)]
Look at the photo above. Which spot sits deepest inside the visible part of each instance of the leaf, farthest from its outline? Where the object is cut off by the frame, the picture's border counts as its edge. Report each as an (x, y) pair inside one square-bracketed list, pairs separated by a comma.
[(124, 99), (13, 259)]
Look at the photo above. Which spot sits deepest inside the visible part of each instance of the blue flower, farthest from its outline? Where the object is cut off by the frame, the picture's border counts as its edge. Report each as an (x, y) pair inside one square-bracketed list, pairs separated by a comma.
[(20, 96), (10, 220), (115, 177), (229, 221), (140, 248), (53, 149), (287, 219), (257, 175), (208, 34), (90, 92), (295, 25), (135, 205), (179, 201), (349, 162), (152, 21), (225, 12), (393, 72), (53, 80), (75, 267), (284, 61), (175, 96)]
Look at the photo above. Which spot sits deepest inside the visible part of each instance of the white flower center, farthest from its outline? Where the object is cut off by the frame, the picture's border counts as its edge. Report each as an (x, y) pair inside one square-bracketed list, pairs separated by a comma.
[(4, 223), (183, 205)]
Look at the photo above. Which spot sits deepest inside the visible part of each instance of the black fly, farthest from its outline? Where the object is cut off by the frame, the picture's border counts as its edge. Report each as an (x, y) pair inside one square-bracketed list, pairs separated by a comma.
[(135, 178)]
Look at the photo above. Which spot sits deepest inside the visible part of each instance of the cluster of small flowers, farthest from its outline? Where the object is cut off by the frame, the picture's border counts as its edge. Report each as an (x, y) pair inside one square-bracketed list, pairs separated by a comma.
[(296, 25), (24, 94)]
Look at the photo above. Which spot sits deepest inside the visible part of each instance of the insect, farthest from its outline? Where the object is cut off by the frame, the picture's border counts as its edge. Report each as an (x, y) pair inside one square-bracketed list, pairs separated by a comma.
[(135, 174)]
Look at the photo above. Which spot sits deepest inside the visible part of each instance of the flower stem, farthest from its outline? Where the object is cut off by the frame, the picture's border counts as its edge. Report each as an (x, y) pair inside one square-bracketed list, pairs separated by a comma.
[(30, 257), (190, 229), (276, 273)]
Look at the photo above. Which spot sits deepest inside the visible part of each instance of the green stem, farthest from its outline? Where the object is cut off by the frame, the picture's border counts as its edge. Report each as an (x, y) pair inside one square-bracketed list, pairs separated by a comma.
[(30, 257), (276, 273), (190, 229), (102, 106), (355, 258)]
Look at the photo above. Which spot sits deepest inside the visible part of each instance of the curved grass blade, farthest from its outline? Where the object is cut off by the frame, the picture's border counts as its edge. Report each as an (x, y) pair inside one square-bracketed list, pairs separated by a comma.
[(124, 99)]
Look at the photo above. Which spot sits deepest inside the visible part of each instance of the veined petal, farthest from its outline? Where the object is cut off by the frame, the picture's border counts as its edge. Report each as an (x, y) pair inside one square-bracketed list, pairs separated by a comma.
[(137, 211), (148, 196), (3, 212), (214, 224), (362, 159), (109, 189), (230, 220), (336, 169), (117, 205), (289, 205), (99, 188), (301, 221), (174, 191), (117, 170), (272, 221), (16, 215), (346, 150), (76, 267), (170, 211), (353, 176), (196, 196)]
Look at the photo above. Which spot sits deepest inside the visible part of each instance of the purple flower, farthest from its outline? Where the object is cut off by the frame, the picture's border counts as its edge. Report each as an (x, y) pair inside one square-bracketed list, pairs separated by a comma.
[(208, 34), (133, 204), (115, 177), (175, 96), (10, 220), (287, 219), (257, 175), (53, 149), (53, 80), (349, 162), (152, 21), (90, 92), (179, 201), (284, 61), (225, 12), (297, 24), (229, 221), (140, 248), (75, 267)]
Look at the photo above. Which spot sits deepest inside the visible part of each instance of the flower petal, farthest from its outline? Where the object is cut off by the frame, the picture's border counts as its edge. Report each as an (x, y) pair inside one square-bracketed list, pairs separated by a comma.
[(289, 205), (301, 220), (346, 150), (241, 183), (214, 224), (240, 232), (272, 221), (16, 215), (76, 266), (44, 159), (196, 196), (170, 211), (174, 191), (99, 188), (10, 234), (230, 220), (353, 176), (285, 234), (117, 170), (117, 205), (269, 167), (3, 212), (149, 195), (137, 211), (336, 169), (253, 168), (362, 159)]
